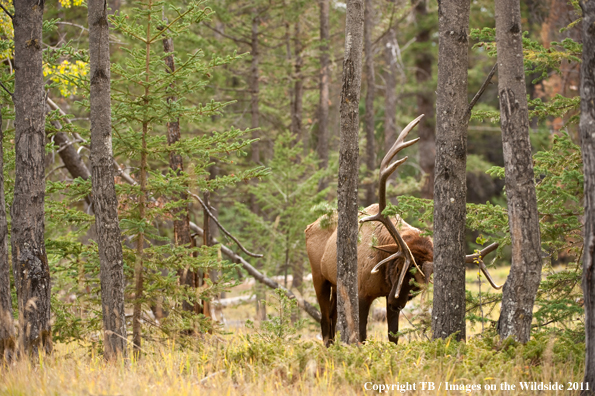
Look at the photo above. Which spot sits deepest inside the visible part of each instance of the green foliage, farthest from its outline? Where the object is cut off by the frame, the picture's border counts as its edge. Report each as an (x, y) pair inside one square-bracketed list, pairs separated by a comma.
[(280, 327)]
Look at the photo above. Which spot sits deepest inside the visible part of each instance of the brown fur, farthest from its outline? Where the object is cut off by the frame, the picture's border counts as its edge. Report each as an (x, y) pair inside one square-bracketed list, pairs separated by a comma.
[(321, 244)]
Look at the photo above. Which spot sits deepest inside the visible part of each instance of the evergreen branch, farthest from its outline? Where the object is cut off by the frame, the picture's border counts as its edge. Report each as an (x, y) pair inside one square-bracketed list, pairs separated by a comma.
[(6, 89), (226, 36), (166, 28), (305, 305), (222, 228), (7, 13), (481, 90), (178, 69), (130, 32)]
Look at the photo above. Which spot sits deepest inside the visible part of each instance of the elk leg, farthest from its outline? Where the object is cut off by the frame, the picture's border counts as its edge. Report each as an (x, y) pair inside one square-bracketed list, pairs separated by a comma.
[(364, 310), (392, 318), (323, 294), (333, 313)]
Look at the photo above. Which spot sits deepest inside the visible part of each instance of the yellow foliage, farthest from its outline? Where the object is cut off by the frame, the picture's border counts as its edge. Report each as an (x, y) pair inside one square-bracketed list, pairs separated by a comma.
[(6, 29), (64, 73), (71, 3)]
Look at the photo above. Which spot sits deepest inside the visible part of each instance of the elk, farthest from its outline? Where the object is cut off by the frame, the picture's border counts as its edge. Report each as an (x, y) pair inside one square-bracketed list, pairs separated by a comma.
[(393, 258)]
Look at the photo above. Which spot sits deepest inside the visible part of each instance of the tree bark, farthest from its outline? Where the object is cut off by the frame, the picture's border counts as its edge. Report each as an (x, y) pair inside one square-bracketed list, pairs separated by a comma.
[(30, 264), (587, 131), (325, 76), (7, 333), (176, 163), (254, 88), (68, 153), (390, 94), (142, 202), (298, 90), (347, 229), (105, 201), (521, 286), (255, 123), (370, 187), (425, 103), (448, 314)]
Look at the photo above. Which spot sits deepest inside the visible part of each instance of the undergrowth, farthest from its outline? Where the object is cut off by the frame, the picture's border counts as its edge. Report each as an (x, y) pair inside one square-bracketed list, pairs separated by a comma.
[(240, 364)]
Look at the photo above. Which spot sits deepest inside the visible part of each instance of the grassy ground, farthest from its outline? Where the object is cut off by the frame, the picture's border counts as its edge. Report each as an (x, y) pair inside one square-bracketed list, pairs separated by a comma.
[(239, 365), (244, 361)]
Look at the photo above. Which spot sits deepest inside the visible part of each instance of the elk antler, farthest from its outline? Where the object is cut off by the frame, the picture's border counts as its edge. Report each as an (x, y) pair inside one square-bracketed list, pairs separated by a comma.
[(477, 259), (386, 169)]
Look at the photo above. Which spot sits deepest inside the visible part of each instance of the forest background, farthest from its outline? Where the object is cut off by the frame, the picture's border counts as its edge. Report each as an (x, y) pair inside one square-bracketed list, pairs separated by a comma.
[(258, 140)]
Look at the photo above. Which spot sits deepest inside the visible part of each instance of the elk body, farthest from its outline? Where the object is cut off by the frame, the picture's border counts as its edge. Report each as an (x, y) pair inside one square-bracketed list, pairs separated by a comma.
[(386, 253)]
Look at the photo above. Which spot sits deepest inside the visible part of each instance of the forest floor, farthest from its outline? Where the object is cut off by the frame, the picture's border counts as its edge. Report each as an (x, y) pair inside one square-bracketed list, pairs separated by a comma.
[(243, 361)]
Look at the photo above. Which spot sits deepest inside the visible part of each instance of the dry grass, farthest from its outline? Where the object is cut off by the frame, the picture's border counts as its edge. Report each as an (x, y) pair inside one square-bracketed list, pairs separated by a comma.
[(242, 363)]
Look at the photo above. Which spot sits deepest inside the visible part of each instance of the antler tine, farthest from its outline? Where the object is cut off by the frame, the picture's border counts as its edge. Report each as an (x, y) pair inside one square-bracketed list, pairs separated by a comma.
[(386, 169), (477, 260), (386, 260), (399, 144)]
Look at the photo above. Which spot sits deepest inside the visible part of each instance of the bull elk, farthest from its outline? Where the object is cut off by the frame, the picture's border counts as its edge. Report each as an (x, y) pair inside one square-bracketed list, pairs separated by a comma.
[(386, 253)]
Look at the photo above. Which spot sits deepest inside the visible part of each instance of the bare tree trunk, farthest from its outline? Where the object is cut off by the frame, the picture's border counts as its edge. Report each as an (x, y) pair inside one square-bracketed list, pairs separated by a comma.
[(7, 333), (347, 230), (298, 91), (176, 163), (425, 103), (30, 264), (390, 95), (521, 286), (207, 240), (255, 123), (105, 201), (254, 88), (142, 200), (448, 314), (325, 76), (370, 187), (587, 129), (68, 153)]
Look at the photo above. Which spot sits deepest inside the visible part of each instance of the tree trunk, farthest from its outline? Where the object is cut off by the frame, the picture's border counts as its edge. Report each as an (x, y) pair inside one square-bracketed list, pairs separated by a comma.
[(325, 76), (298, 90), (390, 94), (30, 264), (7, 334), (425, 102), (347, 229), (254, 88), (255, 123), (68, 152), (370, 187), (176, 163), (142, 200), (448, 314), (587, 130), (105, 201), (521, 286)]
